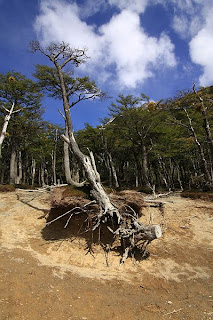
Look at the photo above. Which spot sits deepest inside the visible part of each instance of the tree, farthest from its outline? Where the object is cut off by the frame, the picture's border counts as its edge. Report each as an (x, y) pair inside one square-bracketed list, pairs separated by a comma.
[(190, 110), (20, 99), (61, 55), (9, 113)]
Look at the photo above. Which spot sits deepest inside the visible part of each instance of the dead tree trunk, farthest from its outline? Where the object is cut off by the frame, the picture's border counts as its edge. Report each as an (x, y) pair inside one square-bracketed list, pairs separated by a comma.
[(63, 54), (5, 125), (67, 170), (67, 160), (107, 209), (88, 163)]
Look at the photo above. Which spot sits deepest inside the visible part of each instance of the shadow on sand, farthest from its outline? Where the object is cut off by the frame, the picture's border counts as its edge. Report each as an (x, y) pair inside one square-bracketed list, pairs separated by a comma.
[(80, 226)]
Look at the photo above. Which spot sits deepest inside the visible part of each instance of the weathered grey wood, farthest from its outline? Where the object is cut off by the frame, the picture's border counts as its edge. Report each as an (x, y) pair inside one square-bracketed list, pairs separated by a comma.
[(129, 229), (5, 125)]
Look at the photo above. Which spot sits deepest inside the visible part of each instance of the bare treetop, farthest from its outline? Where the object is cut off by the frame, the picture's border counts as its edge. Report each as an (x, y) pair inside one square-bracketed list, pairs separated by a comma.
[(61, 52)]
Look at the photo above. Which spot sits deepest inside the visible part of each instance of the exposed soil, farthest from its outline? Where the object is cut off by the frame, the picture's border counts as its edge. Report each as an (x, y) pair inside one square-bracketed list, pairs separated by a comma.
[(49, 273)]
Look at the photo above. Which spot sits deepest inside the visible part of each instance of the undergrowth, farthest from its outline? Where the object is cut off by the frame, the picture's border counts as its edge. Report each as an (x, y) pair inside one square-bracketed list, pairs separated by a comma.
[(207, 196), (7, 188)]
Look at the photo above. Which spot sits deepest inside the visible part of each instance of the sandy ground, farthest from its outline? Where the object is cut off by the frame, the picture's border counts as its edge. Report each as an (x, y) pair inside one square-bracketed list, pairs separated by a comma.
[(48, 273)]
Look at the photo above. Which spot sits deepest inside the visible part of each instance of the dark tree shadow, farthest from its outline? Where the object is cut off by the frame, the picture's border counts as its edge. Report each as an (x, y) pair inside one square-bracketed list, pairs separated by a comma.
[(80, 226)]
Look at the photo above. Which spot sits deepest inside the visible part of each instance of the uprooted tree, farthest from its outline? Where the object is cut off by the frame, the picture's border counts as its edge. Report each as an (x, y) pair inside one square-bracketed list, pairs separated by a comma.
[(126, 226)]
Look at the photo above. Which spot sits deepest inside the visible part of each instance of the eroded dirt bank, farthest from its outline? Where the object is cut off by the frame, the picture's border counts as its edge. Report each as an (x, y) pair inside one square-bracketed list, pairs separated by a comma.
[(46, 273)]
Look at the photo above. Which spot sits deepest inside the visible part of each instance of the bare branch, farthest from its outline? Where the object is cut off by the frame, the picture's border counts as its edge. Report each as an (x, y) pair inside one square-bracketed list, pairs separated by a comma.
[(61, 113), (64, 214), (65, 139), (17, 110), (5, 109)]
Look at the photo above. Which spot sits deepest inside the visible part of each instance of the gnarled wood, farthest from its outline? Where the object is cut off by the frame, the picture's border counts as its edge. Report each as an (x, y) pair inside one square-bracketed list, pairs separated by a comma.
[(128, 229)]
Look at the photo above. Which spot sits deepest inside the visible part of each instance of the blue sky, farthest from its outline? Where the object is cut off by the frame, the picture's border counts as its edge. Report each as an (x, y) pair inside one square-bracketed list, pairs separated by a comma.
[(155, 47)]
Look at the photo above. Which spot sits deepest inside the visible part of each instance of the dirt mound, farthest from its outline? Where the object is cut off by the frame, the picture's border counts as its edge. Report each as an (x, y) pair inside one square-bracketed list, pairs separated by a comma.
[(128, 199)]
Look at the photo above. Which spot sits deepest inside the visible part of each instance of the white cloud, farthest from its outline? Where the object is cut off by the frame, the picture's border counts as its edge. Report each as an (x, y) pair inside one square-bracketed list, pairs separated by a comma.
[(138, 6), (186, 26), (60, 21), (193, 22), (91, 7), (189, 16), (201, 50), (119, 50), (133, 51)]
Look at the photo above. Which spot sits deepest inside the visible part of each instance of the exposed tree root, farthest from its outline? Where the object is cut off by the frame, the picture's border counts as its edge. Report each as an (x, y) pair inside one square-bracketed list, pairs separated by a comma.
[(125, 228)]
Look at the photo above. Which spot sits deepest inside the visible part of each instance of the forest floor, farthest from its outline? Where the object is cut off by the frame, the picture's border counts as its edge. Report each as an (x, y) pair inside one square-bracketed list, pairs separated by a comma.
[(48, 274)]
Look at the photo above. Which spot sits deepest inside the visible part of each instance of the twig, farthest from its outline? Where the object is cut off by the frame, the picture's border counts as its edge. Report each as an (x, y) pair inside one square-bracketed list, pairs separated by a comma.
[(135, 214), (70, 211), (87, 204), (64, 214), (61, 113), (174, 311), (68, 220)]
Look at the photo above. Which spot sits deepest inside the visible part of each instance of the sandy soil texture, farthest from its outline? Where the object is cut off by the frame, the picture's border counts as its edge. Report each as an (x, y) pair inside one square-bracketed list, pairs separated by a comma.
[(48, 272)]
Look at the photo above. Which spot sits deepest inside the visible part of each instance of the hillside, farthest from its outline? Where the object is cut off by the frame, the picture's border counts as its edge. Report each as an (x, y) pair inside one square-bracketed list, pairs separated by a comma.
[(49, 274)]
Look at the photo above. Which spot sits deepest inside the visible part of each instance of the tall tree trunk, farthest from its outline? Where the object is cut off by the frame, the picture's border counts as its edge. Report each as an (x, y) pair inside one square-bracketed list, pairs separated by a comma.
[(46, 176), (33, 171), (53, 157), (138, 167), (42, 178), (97, 190), (145, 166), (109, 170), (75, 173), (5, 125), (136, 178), (2, 171), (178, 177), (208, 130), (113, 170), (171, 174), (20, 171), (201, 150), (13, 166), (26, 170), (163, 172), (67, 160)]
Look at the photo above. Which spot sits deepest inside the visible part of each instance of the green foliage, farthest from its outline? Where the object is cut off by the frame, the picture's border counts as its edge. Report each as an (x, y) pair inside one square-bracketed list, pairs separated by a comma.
[(147, 141), (152, 138), (78, 89), (16, 88)]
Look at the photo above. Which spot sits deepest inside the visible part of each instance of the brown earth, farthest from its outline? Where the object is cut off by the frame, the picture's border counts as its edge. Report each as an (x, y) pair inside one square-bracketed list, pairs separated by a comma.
[(48, 273)]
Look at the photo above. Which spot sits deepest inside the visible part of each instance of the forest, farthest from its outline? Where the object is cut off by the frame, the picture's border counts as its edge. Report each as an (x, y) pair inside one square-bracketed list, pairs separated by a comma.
[(150, 146), (106, 160)]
